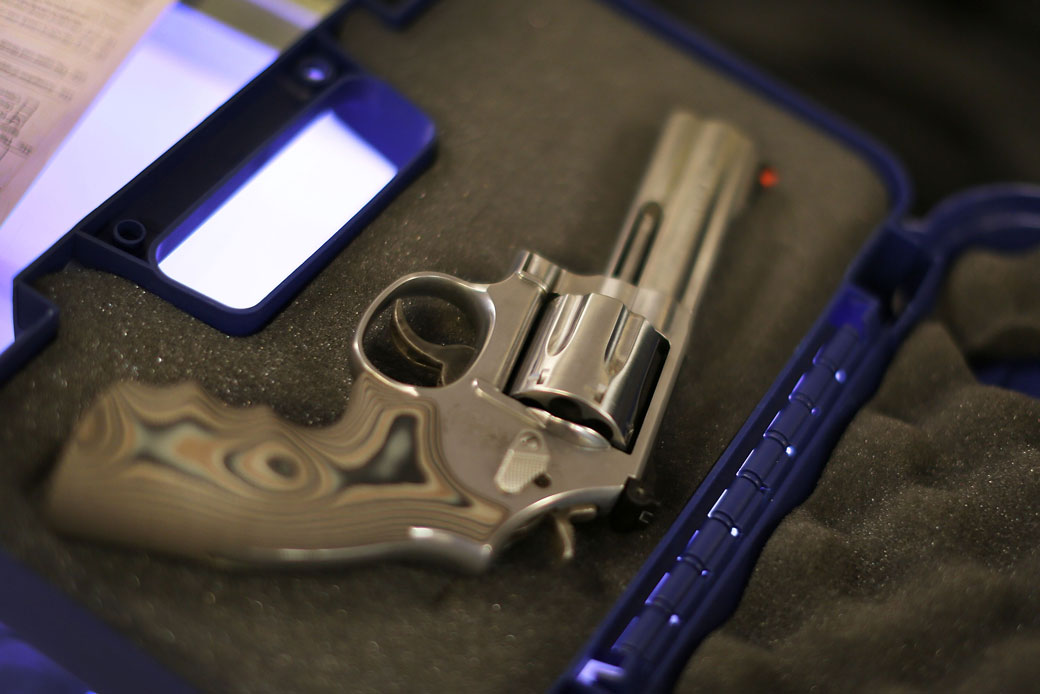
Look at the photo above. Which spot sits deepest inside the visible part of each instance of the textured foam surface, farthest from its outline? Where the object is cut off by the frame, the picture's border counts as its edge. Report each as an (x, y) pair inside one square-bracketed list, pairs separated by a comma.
[(992, 305), (547, 113), (913, 566)]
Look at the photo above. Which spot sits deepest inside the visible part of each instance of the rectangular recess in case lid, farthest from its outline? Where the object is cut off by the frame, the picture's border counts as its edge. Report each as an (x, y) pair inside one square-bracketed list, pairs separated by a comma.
[(312, 99), (248, 237)]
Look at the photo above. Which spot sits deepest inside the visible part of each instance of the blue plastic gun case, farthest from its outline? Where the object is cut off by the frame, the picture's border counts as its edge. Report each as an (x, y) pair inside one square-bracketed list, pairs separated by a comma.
[(545, 115)]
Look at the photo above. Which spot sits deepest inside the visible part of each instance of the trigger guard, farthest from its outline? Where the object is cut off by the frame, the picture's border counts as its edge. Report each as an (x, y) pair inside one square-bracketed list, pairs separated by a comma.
[(472, 299), (449, 362)]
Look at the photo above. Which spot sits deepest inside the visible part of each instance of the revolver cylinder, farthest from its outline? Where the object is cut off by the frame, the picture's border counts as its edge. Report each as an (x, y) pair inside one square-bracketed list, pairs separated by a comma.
[(593, 362)]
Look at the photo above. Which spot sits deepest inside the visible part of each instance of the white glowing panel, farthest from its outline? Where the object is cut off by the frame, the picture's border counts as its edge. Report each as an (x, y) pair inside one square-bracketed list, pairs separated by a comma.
[(181, 71), (279, 217)]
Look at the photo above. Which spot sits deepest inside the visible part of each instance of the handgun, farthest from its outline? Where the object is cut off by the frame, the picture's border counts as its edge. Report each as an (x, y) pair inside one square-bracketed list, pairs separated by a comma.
[(551, 410)]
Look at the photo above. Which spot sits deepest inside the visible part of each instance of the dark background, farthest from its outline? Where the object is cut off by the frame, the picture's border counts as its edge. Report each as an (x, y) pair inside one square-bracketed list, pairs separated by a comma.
[(949, 87)]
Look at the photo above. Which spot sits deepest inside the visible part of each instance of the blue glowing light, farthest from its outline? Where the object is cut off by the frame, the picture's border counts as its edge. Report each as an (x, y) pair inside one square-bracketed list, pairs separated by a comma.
[(674, 620), (734, 531), (596, 671), (23, 668), (314, 73), (790, 451), (657, 588), (839, 375)]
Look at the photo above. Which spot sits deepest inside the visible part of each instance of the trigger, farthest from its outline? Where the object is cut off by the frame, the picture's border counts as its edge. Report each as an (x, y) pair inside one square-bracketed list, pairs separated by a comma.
[(448, 361), (563, 522)]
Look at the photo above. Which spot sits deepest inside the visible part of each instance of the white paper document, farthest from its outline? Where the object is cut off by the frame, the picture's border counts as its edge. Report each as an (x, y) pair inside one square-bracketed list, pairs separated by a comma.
[(55, 56)]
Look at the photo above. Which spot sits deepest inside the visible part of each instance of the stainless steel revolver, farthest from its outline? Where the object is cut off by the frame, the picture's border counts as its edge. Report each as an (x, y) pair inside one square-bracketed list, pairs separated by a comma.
[(554, 409)]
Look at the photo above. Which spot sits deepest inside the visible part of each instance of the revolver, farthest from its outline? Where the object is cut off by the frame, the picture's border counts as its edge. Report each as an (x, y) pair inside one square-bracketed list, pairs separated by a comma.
[(552, 411)]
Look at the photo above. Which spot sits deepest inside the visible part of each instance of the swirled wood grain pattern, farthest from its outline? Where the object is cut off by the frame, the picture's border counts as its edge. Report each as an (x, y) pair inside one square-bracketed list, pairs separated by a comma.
[(173, 469)]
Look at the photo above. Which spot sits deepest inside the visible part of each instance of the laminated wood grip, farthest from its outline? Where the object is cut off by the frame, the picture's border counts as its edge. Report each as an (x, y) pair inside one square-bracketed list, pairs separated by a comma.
[(173, 469)]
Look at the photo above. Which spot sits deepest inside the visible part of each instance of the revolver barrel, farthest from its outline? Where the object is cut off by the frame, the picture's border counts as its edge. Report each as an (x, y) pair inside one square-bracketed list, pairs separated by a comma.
[(596, 357), (698, 178)]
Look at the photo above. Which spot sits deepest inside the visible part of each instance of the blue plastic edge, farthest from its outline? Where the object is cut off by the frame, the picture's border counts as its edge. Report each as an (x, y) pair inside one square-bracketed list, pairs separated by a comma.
[(69, 635)]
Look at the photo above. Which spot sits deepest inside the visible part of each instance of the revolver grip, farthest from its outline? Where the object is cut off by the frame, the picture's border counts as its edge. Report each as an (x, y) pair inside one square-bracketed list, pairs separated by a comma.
[(173, 469)]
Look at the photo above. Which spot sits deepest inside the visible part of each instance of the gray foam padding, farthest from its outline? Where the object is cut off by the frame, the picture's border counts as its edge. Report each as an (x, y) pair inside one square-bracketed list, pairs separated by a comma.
[(992, 305), (913, 566), (546, 114)]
